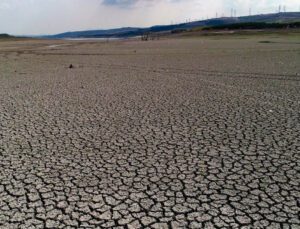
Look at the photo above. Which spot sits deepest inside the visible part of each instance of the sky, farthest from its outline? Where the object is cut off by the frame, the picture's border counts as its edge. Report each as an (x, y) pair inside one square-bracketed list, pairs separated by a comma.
[(43, 17)]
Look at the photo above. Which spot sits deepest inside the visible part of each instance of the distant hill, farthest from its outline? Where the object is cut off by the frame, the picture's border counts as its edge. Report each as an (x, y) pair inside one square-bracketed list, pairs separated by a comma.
[(131, 32), (4, 35), (95, 33), (254, 25)]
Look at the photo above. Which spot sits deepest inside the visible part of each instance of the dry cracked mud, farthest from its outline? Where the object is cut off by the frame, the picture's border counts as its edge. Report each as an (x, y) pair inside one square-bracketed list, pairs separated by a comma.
[(176, 133)]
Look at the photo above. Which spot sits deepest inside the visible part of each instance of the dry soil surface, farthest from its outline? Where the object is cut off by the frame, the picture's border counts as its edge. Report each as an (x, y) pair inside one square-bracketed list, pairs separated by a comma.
[(175, 133)]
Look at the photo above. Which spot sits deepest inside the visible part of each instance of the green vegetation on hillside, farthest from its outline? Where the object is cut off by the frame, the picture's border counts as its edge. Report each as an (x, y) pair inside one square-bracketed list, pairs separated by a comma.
[(254, 25), (4, 35)]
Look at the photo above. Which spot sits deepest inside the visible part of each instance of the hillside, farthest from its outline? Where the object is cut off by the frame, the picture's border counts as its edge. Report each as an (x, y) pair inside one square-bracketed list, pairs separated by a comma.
[(131, 32), (254, 25), (4, 35)]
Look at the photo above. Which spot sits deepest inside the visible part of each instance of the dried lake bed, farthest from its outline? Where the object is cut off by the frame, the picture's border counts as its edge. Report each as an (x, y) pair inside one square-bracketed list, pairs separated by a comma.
[(197, 132)]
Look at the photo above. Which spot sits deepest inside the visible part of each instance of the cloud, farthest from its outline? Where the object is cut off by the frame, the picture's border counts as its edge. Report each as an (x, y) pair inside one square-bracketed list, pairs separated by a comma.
[(119, 2), (4, 6), (137, 3)]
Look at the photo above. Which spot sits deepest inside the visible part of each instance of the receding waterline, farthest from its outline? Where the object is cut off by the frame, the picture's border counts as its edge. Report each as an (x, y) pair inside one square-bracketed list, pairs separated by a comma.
[(96, 39)]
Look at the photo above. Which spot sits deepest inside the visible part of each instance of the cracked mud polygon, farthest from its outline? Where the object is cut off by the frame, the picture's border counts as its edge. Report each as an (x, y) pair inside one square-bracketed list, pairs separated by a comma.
[(175, 133)]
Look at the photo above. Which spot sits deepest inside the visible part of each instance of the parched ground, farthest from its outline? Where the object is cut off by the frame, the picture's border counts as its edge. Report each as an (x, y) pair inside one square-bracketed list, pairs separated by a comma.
[(175, 133)]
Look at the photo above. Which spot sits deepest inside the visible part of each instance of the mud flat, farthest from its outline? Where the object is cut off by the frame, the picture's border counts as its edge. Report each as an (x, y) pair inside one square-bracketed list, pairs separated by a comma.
[(174, 133)]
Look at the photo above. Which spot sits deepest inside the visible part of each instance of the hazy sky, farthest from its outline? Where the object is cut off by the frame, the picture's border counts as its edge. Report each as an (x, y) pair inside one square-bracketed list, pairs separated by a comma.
[(55, 16)]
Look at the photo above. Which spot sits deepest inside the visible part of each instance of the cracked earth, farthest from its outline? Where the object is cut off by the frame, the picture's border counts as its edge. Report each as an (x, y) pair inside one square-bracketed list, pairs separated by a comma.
[(178, 133)]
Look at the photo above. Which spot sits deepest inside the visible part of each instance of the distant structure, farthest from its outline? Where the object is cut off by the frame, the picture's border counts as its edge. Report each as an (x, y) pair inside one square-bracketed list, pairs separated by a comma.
[(149, 36), (233, 12)]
